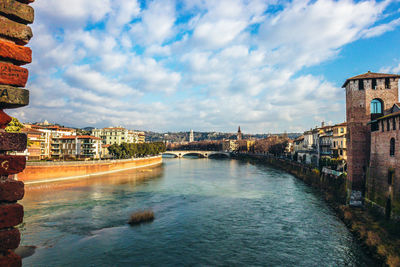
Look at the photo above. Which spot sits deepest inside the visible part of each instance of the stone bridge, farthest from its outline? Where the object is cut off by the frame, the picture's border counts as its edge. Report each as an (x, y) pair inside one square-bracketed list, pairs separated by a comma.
[(203, 154)]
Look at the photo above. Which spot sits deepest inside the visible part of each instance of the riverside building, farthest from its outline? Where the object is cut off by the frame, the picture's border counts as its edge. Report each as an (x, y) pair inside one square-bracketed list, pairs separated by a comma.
[(118, 135), (373, 141)]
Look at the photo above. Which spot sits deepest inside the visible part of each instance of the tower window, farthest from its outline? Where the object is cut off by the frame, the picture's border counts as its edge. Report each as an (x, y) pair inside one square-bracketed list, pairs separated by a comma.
[(383, 126), (390, 177), (373, 84), (388, 125), (392, 146), (387, 83), (376, 106), (394, 123), (360, 85)]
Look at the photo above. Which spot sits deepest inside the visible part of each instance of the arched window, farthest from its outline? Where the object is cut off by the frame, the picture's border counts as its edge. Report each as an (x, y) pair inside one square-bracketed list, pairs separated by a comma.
[(392, 146), (376, 106)]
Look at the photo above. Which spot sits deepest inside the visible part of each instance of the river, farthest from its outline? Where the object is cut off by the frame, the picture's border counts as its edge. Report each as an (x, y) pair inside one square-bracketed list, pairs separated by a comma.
[(207, 212)]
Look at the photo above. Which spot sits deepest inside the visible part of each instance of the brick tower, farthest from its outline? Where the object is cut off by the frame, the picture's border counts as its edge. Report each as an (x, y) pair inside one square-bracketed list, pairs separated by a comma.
[(368, 96)]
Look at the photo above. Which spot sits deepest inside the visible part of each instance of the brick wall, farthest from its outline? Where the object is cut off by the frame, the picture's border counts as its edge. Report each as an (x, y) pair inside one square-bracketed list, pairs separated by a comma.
[(14, 35), (378, 189)]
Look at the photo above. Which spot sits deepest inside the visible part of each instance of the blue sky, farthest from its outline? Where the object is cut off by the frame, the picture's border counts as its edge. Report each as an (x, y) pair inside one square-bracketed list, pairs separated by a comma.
[(268, 66)]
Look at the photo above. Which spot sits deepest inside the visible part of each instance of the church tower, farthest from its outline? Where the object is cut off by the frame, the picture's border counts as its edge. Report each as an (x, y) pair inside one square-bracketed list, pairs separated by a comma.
[(191, 136), (239, 134), (368, 96)]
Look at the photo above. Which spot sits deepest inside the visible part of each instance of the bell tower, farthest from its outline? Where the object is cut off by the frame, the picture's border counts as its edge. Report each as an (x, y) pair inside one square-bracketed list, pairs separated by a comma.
[(239, 134), (368, 96)]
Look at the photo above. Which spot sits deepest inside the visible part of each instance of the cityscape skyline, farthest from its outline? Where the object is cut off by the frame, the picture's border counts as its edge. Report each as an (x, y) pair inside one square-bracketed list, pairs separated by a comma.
[(172, 65)]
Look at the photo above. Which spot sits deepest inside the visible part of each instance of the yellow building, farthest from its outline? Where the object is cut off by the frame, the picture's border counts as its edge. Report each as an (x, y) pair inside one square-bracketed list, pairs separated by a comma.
[(339, 146), (118, 135)]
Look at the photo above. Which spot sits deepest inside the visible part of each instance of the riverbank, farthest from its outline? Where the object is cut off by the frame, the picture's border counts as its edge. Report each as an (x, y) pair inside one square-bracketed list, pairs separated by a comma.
[(41, 172), (381, 238)]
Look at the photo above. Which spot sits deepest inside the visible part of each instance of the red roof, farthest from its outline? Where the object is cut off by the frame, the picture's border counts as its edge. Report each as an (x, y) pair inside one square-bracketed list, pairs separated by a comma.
[(68, 137), (371, 75), (30, 131), (88, 137)]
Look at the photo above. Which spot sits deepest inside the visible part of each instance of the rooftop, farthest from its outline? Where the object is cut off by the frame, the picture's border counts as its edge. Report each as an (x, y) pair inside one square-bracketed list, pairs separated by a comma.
[(371, 75)]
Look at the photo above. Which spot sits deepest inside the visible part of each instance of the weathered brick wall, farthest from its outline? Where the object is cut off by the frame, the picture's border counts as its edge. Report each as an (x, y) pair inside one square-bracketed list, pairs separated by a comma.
[(358, 115), (14, 34), (378, 190), (54, 170)]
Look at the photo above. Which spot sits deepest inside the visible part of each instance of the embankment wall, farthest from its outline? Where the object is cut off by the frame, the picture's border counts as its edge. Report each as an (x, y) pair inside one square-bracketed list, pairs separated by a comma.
[(333, 186), (52, 171)]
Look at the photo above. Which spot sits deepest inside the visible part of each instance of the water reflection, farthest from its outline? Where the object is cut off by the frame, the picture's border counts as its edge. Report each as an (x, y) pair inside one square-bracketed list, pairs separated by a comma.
[(207, 212)]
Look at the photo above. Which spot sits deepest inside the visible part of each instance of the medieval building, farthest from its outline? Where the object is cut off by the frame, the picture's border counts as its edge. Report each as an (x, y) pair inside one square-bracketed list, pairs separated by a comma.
[(373, 139)]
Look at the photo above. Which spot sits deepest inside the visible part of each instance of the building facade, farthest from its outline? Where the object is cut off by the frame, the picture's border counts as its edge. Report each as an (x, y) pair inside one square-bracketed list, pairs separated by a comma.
[(118, 135), (371, 101), (82, 146)]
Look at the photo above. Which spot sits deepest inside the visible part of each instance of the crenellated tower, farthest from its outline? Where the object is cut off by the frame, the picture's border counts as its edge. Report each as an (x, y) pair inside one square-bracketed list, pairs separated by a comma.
[(368, 96)]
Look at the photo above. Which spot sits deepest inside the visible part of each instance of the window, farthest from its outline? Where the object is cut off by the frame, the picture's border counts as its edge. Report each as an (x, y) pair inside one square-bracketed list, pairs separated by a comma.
[(394, 123), (390, 177), (388, 125), (392, 146), (383, 126), (341, 130), (376, 106), (387, 83), (373, 84), (360, 85)]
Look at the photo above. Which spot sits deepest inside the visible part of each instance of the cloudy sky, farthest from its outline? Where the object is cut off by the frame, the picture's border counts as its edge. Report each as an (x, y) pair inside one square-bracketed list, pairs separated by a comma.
[(207, 65)]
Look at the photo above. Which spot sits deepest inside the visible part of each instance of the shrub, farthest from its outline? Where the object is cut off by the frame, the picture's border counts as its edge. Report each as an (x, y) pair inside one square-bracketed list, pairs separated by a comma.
[(393, 261), (373, 239), (141, 217)]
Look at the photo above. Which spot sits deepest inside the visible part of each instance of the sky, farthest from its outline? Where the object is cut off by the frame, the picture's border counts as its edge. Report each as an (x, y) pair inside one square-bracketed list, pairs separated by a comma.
[(207, 65)]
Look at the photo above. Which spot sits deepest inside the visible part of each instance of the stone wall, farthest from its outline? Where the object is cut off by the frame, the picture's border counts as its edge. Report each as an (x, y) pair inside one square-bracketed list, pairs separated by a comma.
[(378, 189), (14, 35), (333, 186), (358, 114), (53, 171)]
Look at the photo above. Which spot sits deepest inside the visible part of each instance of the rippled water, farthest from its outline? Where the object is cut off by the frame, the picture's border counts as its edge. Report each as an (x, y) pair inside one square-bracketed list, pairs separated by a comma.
[(208, 212)]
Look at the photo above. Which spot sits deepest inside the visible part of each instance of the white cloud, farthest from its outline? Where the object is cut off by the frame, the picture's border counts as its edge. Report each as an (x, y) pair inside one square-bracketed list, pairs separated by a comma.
[(157, 23), (166, 65)]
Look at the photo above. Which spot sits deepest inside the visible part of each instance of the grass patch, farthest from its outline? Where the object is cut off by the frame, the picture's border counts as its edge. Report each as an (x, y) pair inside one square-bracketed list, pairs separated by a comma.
[(141, 217)]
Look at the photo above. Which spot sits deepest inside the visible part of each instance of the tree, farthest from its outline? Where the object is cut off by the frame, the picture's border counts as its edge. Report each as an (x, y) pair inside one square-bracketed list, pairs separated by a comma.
[(14, 126)]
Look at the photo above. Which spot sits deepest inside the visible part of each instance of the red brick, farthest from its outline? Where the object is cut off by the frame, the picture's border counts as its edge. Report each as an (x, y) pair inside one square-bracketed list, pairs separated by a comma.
[(11, 190), (16, 10), (4, 119), (11, 215), (12, 97), (13, 75), (13, 141), (16, 53), (9, 239), (14, 31), (10, 259), (10, 164)]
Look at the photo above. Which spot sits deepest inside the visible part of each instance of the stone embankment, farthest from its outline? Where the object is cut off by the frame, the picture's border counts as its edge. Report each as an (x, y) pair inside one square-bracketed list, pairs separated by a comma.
[(39, 172), (381, 238)]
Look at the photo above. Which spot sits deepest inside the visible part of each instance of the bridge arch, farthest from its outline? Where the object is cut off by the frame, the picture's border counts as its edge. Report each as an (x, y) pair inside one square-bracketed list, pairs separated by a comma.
[(192, 153), (219, 155)]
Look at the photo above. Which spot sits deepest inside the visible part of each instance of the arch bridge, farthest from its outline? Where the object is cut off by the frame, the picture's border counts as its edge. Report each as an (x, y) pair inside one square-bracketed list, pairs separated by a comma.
[(204, 154)]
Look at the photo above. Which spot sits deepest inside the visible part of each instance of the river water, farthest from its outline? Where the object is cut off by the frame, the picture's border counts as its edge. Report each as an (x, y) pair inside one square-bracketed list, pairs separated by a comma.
[(208, 212)]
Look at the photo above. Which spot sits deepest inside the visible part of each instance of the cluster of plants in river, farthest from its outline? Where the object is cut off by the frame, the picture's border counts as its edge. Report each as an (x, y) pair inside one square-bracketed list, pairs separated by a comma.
[(126, 150)]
